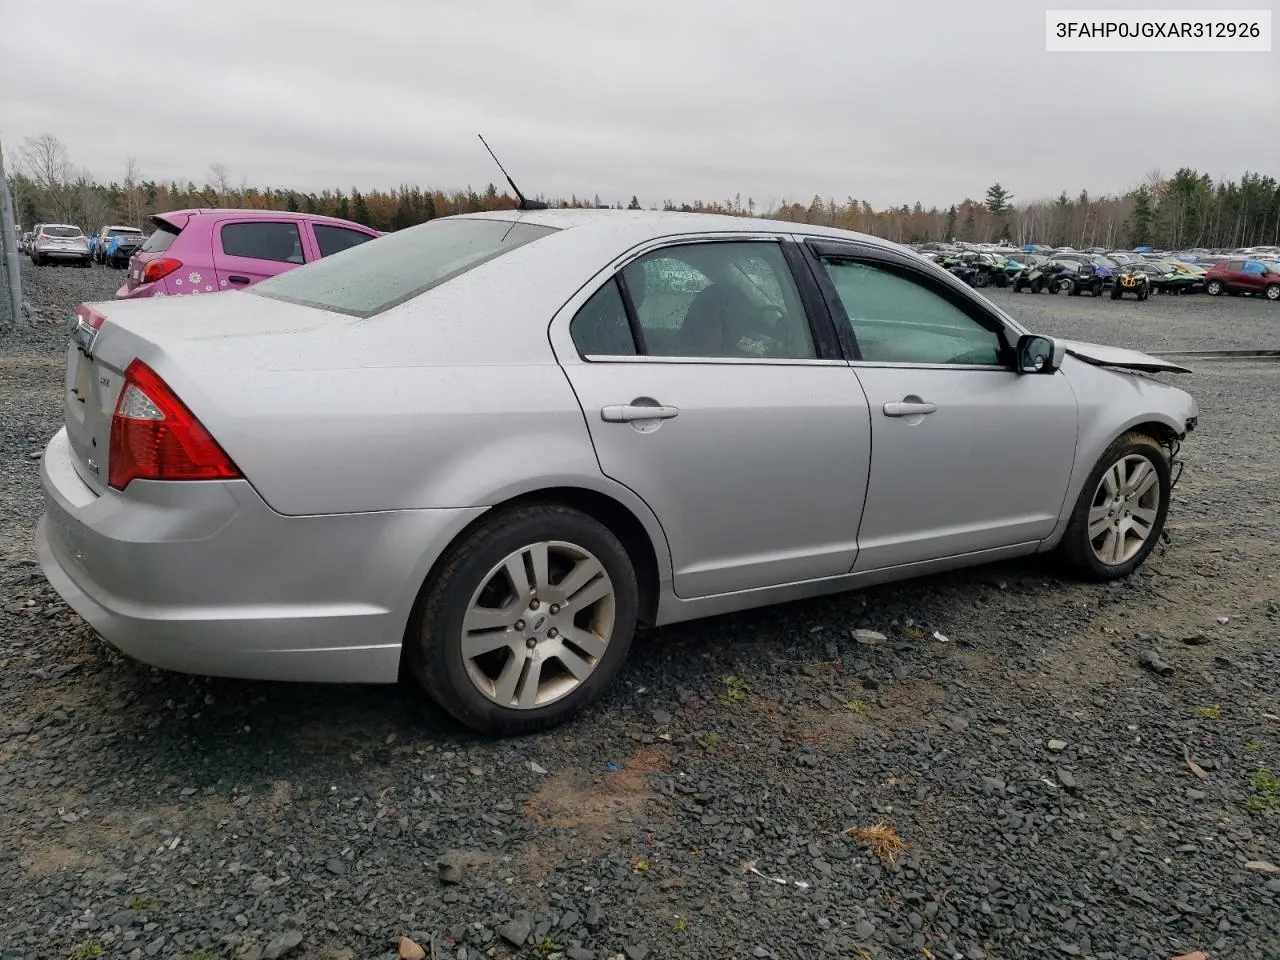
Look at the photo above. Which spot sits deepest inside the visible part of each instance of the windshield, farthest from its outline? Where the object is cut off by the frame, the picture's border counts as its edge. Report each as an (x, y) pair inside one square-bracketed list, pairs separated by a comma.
[(62, 232), (375, 276)]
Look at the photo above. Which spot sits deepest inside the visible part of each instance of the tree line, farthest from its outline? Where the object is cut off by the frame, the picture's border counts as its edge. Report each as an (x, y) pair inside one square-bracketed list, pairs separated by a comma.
[(1188, 209)]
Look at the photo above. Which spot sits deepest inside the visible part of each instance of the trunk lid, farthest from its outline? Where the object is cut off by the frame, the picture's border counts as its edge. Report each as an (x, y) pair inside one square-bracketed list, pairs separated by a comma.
[(204, 341)]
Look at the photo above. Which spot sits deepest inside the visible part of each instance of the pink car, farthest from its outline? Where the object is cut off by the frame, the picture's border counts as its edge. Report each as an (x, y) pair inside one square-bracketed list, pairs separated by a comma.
[(208, 251)]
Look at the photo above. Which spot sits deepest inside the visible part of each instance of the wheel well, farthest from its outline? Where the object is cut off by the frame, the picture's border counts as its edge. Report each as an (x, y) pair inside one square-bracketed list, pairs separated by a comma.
[(1161, 433), (621, 522)]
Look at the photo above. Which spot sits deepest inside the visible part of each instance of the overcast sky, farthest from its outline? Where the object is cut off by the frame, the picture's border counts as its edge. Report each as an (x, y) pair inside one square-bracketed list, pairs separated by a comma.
[(889, 102)]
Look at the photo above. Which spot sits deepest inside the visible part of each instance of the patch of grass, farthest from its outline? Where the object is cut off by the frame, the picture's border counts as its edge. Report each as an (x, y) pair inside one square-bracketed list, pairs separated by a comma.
[(544, 946), (140, 903), (882, 839), (202, 955), (639, 864), (681, 924), (857, 706), (1209, 713), (86, 950), (713, 740), (1254, 747), (1266, 791), (735, 689)]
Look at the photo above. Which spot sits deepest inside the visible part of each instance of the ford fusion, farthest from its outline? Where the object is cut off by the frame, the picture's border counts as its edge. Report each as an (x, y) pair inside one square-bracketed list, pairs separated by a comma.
[(482, 451)]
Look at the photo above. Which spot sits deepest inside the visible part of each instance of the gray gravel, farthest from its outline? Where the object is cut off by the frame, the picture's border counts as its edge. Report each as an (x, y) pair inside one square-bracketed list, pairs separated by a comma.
[(702, 810)]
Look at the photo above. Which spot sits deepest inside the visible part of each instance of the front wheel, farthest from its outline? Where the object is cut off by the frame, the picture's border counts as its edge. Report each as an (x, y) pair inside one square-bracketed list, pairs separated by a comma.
[(1116, 292), (1273, 292), (1121, 511), (527, 620)]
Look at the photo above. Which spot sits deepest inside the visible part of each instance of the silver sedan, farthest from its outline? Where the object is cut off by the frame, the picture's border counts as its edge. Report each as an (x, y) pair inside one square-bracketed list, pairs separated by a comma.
[(487, 448)]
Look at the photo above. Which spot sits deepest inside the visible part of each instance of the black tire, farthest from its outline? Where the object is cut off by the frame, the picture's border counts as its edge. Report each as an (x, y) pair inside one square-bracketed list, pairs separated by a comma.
[(1116, 292), (1272, 293), (1036, 286), (1075, 549), (1144, 293), (1096, 289), (1213, 288), (980, 279), (433, 649), (1017, 286)]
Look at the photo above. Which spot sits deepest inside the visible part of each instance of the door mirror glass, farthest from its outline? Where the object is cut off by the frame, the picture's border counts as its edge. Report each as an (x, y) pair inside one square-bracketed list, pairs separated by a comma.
[(1039, 354)]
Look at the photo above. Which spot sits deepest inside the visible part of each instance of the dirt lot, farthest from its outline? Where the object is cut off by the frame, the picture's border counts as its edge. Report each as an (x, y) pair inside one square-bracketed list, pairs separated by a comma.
[(1041, 779)]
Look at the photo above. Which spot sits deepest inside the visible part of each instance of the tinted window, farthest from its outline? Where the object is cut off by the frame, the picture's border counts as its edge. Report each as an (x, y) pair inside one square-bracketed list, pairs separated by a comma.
[(125, 232), (332, 239), (161, 238), (1233, 265), (896, 319), (62, 231), (719, 300), (263, 241), (600, 328), (375, 277)]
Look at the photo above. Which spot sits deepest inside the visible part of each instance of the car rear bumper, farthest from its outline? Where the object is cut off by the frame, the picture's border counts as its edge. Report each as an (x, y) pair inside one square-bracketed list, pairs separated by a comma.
[(204, 578), (61, 254)]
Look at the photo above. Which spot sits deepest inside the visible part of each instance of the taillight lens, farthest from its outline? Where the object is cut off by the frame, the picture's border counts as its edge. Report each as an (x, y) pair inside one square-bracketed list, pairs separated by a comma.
[(159, 269), (155, 437)]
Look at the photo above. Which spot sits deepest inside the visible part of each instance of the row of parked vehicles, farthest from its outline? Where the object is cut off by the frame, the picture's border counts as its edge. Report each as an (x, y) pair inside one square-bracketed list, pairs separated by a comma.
[(199, 250), (1115, 272)]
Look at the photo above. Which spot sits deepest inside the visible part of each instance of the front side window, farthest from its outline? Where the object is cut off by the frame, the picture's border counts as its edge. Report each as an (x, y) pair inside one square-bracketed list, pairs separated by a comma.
[(895, 318), (280, 242), (731, 300)]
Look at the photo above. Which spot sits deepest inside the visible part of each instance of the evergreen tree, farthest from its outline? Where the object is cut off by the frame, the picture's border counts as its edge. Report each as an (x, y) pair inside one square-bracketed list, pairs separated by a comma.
[(998, 199), (1142, 219), (634, 204)]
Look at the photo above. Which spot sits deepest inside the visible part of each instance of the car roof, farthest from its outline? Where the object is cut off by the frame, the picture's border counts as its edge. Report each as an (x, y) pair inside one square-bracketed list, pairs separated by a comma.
[(637, 226)]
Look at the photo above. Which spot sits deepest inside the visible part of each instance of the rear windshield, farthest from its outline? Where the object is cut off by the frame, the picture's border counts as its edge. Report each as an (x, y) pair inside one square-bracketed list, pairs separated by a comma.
[(162, 239), (125, 232), (375, 276), (62, 232)]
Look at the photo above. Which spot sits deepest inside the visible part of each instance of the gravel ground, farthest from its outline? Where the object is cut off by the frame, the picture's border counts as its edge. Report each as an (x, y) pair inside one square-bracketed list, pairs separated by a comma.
[(1035, 771)]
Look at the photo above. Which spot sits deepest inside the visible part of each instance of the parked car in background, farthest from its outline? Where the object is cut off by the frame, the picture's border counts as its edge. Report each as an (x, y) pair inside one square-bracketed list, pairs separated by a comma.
[(211, 250), (60, 243), (25, 245), (480, 451), (1243, 276), (114, 245)]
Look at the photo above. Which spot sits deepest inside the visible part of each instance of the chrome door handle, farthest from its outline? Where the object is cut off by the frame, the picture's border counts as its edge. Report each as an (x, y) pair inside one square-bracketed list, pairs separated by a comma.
[(626, 412), (908, 408)]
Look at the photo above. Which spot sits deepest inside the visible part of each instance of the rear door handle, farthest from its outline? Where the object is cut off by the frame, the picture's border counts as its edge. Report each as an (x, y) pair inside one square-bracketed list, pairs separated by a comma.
[(236, 278), (626, 412), (908, 408)]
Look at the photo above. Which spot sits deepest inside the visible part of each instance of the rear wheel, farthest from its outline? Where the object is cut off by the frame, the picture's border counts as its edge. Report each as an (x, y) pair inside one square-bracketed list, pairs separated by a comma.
[(1144, 293), (1213, 288), (528, 620), (1121, 511)]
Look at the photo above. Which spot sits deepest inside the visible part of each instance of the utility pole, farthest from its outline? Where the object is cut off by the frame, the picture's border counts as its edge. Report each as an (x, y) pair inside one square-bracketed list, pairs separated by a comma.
[(10, 245)]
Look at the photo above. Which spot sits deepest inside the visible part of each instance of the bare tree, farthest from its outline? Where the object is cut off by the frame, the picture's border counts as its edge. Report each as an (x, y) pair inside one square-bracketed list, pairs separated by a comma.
[(132, 192), (44, 159), (220, 180)]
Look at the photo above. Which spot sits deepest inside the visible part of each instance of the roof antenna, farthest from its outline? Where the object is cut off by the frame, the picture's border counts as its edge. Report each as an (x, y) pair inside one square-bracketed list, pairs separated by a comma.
[(525, 204)]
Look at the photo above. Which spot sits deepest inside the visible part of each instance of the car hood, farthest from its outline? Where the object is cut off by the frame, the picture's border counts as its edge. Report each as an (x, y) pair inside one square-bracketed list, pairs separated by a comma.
[(1104, 356)]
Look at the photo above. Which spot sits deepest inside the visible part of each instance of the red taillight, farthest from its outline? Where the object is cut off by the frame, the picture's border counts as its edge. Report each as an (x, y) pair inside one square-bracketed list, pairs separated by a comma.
[(159, 269), (155, 437)]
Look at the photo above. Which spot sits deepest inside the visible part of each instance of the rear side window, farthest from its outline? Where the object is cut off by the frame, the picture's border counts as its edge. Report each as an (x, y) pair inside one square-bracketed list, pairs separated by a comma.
[(374, 277), (600, 327), (161, 238), (331, 239), (280, 242)]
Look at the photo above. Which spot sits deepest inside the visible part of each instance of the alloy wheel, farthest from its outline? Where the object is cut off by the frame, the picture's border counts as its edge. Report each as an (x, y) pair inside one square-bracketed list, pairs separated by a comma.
[(1124, 509), (538, 624)]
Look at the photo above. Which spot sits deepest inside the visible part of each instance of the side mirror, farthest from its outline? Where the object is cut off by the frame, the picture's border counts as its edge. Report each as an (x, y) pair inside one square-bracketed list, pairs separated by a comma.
[(1039, 354)]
